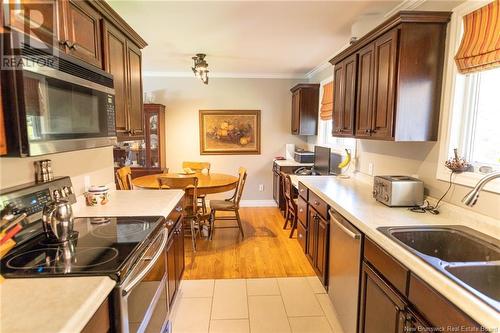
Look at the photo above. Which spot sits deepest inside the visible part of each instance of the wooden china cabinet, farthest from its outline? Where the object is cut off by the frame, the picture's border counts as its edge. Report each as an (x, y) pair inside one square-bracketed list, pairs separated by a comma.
[(145, 156), (155, 135)]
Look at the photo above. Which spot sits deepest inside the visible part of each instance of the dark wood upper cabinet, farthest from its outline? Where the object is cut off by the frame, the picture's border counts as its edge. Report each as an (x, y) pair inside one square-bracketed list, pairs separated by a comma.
[(115, 63), (305, 107), (39, 19), (82, 31), (384, 86), (397, 72), (136, 111), (366, 61), (72, 26), (345, 102), (122, 58), (338, 98), (94, 33)]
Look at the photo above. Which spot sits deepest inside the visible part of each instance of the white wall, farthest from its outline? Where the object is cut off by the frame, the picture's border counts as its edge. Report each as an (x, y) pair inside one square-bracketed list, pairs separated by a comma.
[(96, 163), (184, 97)]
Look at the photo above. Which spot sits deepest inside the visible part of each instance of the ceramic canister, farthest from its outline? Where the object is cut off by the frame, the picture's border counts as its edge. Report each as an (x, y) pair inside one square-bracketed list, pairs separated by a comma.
[(97, 195)]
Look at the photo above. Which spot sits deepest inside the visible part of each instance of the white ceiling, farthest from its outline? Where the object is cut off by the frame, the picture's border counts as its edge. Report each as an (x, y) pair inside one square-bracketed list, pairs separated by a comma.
[(244, 38)]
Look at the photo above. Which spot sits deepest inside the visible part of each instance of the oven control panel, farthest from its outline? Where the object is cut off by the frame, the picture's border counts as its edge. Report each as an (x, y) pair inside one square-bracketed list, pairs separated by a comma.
[(32, 198)]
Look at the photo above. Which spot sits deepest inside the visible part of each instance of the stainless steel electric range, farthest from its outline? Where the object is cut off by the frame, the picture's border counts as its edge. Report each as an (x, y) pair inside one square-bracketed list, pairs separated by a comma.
[(130, 250)]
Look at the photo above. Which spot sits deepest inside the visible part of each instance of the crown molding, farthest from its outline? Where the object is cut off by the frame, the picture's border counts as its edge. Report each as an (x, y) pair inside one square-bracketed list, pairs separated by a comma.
[(317, 69), (227, 75), (405, 5)]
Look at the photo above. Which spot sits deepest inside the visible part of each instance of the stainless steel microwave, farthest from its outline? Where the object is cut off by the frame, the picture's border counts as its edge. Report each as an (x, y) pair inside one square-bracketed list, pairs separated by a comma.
[(54, 103)]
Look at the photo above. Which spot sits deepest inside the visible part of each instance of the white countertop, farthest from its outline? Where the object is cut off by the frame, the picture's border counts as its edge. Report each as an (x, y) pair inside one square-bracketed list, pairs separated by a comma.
[(65, 304), (353, 199), (291, 163), (51, 305), (131, 203)]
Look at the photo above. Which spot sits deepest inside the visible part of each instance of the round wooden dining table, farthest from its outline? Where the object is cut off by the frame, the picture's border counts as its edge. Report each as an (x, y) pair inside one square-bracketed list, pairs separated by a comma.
[(207, 183)]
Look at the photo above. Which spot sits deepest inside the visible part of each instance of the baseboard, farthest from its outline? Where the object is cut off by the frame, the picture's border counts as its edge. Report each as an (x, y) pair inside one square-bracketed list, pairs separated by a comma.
[(258, 203)]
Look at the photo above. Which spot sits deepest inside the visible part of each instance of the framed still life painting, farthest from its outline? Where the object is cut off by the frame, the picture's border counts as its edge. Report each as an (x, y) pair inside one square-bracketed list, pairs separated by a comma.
[(230, 132)]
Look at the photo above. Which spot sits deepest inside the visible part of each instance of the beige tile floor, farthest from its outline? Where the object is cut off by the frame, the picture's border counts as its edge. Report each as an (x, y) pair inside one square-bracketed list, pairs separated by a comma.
[(270, 305)]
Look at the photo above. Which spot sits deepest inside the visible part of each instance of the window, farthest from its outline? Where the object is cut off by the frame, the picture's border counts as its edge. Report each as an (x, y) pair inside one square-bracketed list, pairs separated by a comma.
[(337, 144), (470, 115), (325, 137), (479, 137)]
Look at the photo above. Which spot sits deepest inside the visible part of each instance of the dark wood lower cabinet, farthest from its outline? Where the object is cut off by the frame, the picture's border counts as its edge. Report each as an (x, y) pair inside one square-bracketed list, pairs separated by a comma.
[(438, 310), (100, 321), (171, 276), (278, 183), (179, 253), (302, 235), (395, 300), (317, 244), (382, 309), (175, 259)]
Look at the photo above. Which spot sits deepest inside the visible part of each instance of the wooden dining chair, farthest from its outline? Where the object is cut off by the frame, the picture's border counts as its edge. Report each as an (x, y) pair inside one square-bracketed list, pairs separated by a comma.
[(291, 211), (198, 167), (191, 212), (124, 178), (229, 205)]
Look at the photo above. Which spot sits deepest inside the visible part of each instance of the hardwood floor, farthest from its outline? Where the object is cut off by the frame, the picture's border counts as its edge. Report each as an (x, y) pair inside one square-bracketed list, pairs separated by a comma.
[(266, 250)]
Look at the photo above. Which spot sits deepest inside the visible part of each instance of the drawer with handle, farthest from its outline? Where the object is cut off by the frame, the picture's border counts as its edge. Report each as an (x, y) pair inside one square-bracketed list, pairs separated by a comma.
[(174, 215), (301, 236), (302, 211), (318, 204), (303, 191)]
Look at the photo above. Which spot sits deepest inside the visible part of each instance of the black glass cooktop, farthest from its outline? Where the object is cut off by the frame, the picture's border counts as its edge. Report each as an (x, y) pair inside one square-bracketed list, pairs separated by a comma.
[(99, 246)]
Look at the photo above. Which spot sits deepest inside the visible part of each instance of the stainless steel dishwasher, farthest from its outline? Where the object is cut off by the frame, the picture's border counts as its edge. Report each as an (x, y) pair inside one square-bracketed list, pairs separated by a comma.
[(345, 268)]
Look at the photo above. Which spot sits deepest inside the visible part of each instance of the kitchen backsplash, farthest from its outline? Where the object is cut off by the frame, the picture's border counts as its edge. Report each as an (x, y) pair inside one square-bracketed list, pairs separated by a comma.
[(95, 163)]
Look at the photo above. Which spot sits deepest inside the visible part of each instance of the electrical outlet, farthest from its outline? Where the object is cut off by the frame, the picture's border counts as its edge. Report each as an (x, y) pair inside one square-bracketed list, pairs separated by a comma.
[(261, 187), (370, 169)]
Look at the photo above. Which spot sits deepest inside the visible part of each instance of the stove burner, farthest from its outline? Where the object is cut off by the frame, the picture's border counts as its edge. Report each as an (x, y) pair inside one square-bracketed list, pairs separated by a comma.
[(45, 258), (55, 243), (99, 220), (34, 258), (124, 230), (105, 254)]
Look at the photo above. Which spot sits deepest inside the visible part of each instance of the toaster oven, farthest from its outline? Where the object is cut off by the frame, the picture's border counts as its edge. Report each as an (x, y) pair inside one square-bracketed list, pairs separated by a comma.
[(398, 191)]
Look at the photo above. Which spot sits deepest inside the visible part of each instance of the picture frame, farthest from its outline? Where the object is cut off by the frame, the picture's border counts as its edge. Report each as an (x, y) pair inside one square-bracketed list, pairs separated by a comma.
[(229, 132)]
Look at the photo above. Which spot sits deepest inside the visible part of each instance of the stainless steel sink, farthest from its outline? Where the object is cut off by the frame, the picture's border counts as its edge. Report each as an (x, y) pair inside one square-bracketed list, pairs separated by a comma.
[(468, 257)]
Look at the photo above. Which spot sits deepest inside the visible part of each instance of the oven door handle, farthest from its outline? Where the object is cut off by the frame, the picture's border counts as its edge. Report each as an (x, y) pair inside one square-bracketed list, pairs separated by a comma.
[(151, 262)]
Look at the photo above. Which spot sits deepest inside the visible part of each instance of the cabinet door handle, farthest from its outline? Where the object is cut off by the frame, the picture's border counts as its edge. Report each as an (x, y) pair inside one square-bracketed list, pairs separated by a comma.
[(316, 202), (300, 210)]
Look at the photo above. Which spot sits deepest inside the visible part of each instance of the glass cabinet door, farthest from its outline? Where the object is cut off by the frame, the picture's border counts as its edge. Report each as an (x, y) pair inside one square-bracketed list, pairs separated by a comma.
[(154, 156)]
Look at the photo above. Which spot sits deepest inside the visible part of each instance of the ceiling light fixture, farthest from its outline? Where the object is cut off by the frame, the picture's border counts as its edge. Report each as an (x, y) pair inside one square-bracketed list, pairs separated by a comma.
[(200, 68)]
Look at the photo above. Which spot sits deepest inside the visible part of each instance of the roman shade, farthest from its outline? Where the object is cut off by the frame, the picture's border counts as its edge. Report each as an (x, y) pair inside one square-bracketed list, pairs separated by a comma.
[(327, 102), (480, 46)]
